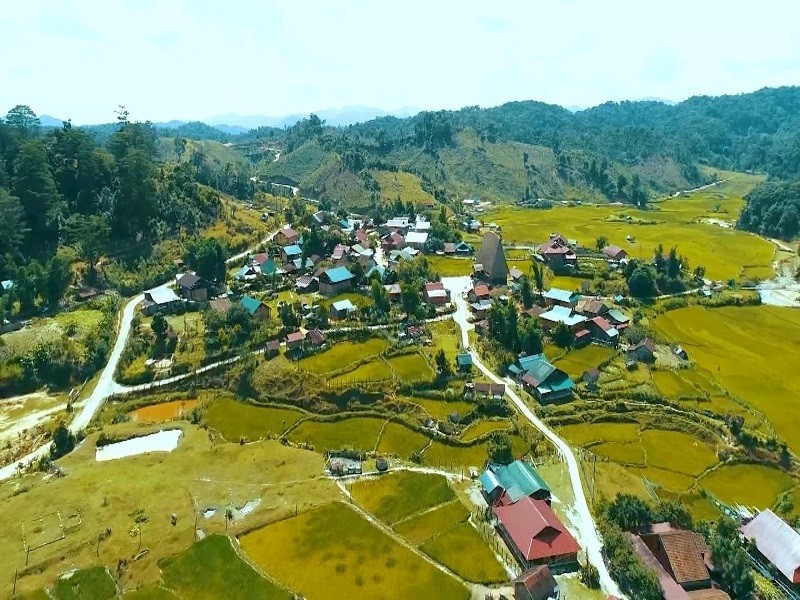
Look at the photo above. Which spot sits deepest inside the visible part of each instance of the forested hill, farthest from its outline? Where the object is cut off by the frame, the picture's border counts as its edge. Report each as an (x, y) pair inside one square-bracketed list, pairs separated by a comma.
[(521, 151)]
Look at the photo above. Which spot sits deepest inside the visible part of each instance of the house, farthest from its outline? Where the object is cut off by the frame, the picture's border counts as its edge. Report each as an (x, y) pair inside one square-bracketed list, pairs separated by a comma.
[(159, 299), (417, 239), (338, 252), (298, 264), (591, 308), (434, 294), (394, 291), (777, 542), (559, 297), (473, 226), (256, 308), (537, 583), (305, 284), (397, 224), (534, 311), (482, 327), (377, 271), (464, 249), (221, 305), (361, 237), (480, 309), (680, 560), (557, 257), (541, 379), (536, 536), (507, 484), (618, 318), (316, 339), (614, 253), (272, 348), (449, 248), (339, 465), (562, 314), (478, 293), (590, 378), (320, 217), (490, 261), (464, 361), (644, 351), (246, 273), (192, 287), (489, 389), (335, 281), (294, 340), (393, 241), (359, 250), (287, 236), (291, 252), (603, 331), (87, 293), (516, 274), (342, 309)]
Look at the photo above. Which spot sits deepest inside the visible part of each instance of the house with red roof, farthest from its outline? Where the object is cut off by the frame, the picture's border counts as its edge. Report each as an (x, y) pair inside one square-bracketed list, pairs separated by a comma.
[(435, 294), (557, 254), (614, 253), (603, 331), (478, 293), (536, 536)]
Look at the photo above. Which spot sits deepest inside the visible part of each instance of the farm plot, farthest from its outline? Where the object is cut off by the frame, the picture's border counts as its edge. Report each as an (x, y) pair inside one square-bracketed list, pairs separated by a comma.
[(673, 385), (164, 411), (342, 354), (466, 554), (479, 428), (376, 370), (212, 569), (411, 367), (235, 420), (94, 583), (440, 409), (752, 352), (455, 458), (747, 484), (351, 559), (418, 529), (676, 451), (397, 495), (401, 441), (586, 433), (359, 433), (583, 359), (448, 266)]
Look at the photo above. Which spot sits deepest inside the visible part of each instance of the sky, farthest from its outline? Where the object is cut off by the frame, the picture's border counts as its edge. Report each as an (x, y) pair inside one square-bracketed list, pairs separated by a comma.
[(194, 59)]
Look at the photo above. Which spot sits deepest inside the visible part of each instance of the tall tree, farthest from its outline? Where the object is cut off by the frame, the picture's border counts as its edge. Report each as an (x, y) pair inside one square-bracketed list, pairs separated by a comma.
[(33, 184), (12, 225), (23, 120)]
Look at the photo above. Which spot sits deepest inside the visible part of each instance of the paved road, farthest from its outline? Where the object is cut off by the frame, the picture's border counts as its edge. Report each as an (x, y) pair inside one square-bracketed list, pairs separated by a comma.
[(106, 386), (587, 532)]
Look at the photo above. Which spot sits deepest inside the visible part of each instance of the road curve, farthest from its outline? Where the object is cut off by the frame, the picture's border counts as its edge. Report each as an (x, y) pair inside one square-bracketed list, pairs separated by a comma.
[(587, 532)]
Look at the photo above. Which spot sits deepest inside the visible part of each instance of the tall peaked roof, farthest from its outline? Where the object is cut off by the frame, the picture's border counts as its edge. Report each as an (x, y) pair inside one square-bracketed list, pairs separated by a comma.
[(518, 479), (535, 529), (492, 257)]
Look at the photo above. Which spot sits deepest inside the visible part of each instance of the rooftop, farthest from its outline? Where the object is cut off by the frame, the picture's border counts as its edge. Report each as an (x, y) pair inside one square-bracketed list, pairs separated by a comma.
[(250, 304), (776, 540), (560, 295), (535, 529), (344, 305), (517, 480), (338, 274), (562, 314)]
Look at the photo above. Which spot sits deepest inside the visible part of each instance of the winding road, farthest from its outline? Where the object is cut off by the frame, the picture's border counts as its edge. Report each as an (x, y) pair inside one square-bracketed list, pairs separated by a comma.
[(587, 531), (106, 386)]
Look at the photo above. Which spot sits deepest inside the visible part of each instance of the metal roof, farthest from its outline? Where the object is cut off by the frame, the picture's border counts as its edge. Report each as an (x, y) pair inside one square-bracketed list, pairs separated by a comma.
[(560, 295), (338, 274), (518, 479), (776, 540)]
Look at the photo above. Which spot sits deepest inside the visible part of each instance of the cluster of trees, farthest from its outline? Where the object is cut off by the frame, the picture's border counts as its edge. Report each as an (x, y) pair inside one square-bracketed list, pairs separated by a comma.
[(773, 209), (630, 513), (59, 189), (512, 334), (231, 329), (667, 273)]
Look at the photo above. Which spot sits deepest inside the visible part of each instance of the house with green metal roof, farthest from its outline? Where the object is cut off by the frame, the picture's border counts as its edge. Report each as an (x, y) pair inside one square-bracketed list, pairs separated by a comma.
[(541, 379), (335, 281), (507, 484), (558, 297), (256, 308), (464, 361)]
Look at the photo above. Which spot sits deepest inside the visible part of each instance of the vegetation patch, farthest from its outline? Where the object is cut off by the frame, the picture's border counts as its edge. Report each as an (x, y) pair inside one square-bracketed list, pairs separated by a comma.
[(164, 411), (373, 371), (677, 451), (411, 367), (440, 409), (747, 484), (401, 441), (455, 458), (212, 569), (422, 527), (575, 362), (399, 494), (351, 559), (341, 354), (479, 428), (151, 593), (358, 433), (586, 433), (235, 420), (673, 385), (464, 551), (95, 583)]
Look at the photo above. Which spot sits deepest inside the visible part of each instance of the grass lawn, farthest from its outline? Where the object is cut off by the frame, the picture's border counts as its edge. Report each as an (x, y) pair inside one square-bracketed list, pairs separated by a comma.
[(479, 428), (236, 419), (401, 441), (359, 433), (397, 495), (750, 351), (422, 527), (440, 409), (375, 370), (748, 484), (94, 583), (347, 557), (48, 329), (411, 367), (450, 266), (583, 434), (575, 362), (342, 354), (565, 282), (464, 551), (212, 569), (677, 451), (722, 251)]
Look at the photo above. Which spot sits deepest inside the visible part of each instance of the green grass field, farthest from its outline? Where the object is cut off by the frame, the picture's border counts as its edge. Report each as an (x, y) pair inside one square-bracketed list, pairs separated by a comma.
[(375, 370), (463, 550), (449, 266), (401, 441), (459, 457), (440, 409), (342, 354), (346, 557), (750, 351), (411, 368), (575, 362), (359, 433), (236, 419), (397, 495), (212, 569), (748, 484), (479, 428), (676, 451), (583, 434), (625, 453), (724, 252), (94, 583), (673, 385), (420, 528), (151, 593), (48, 329)]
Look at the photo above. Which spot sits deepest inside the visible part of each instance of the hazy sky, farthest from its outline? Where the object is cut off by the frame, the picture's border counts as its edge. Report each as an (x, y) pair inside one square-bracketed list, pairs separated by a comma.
[(190, 59)]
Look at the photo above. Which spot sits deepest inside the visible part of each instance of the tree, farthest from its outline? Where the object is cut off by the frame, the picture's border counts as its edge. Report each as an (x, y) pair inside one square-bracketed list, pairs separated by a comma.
[(562, 336), (500, 449), (59, 277), (23, 120), (12, 225), (526, 294), (34, 186), (442, 364), (379, 297), (179, 145), (641, 283), (63, 442), (207, 257), (90, 234), (622, 183), (731, 560), (629, 512), (601, 242), (538, 276), (673, 512), (409, 298)]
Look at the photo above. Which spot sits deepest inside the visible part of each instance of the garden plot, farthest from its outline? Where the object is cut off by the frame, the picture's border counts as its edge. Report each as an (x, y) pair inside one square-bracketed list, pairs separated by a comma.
[(358, 433), (164, 411), (397, 495), (747, 484)]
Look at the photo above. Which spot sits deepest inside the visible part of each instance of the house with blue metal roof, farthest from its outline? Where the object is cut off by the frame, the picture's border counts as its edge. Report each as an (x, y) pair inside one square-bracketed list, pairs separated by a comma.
[(507, 484), (289, 253), (335, 281), (541, 379), (255, 308), (558, 297)]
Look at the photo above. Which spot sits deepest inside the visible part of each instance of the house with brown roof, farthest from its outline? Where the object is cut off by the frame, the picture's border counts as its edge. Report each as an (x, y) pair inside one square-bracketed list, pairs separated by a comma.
[(316, 339), (614, 253), (591, 308), (449, 248), (490, 261), (536, 536), (272, 348), (221, 305), (680, 560), (557, 254), (515, 274), (294, 340), (602, 331), (537, 583), (478, 292), (192, 287), (435, 294), (287, 236), (643, 351)]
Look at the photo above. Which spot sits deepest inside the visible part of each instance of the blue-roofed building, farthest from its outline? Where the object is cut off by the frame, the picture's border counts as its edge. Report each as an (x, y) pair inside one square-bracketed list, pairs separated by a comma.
[(341, 309), (7, 285), (335, 281), (378, 271), (289, 253), (541, 379), (298, 263), (562, 314), (507, 484), (558, 297), (256, 308)]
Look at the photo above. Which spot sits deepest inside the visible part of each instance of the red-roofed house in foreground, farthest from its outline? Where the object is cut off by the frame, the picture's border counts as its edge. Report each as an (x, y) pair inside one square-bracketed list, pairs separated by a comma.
[(536, 536)]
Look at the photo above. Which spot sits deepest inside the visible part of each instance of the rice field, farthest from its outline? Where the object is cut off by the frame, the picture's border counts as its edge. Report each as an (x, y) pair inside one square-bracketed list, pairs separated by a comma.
[(439, 409), (376, 370), (575, 362), (358, 433), (448, 266), (401, 441), (395, 496), (586, 433), (342, 354), (624, 453), (673, 385), (466, 554), (164, 411), (747, 484), (676, 451), (479, 428), (235, 420), (351, 558), (411, 367), (752, 352), (420, 528), (457, 458)]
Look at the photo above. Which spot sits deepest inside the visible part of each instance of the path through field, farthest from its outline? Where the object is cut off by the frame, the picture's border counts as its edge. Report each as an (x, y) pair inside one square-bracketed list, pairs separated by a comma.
[(587, 532)]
